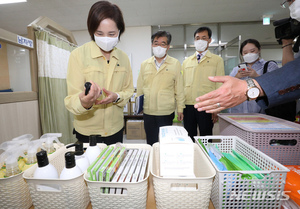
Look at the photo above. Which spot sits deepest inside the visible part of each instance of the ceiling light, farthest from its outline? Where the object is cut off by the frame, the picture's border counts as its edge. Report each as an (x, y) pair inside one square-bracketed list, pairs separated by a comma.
[(11, 1)]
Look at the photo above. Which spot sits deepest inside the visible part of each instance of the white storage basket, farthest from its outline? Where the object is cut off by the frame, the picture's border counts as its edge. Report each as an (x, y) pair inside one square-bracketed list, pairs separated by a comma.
[(14, 193), (277, 138), (71, 193), (230, 190), (187, 193), (136, 197)]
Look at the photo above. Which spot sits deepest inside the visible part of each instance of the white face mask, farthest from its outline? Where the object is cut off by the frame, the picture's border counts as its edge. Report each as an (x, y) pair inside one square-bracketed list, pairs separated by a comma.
[(106, 43), (200, 45), (295, 10), (159, 51), (250, 57)]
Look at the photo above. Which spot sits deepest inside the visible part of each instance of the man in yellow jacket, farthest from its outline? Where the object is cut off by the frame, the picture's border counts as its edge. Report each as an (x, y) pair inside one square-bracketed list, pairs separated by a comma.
[(160, 81), (196, 70)]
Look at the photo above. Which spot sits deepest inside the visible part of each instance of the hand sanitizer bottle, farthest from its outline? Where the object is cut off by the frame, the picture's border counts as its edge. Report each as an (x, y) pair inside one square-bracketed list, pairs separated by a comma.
[(81, 160), (71, 170), (45, 170), (93, 150)]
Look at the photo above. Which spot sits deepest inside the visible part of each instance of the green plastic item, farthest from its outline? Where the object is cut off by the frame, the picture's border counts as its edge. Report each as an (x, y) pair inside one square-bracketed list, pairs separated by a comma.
[(248, 164), (237, 165), (202, 145)]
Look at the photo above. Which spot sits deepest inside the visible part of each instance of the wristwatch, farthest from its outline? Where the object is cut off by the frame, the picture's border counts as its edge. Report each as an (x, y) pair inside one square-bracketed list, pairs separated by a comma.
[(118, 99), (253, 91)]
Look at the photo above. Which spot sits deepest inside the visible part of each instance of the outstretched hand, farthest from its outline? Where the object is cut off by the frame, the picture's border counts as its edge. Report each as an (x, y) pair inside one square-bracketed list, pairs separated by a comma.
[(230, 94)]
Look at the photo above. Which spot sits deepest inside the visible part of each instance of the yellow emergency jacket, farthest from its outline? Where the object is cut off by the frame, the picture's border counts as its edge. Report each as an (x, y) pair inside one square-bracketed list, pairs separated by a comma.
[(87, 63), (163, 88), (195, 76)]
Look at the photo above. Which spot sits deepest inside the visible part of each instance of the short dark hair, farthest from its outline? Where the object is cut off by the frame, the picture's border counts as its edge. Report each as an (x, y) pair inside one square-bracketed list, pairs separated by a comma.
[(102, 10), (162, 33), (201, 29), (251, 41)]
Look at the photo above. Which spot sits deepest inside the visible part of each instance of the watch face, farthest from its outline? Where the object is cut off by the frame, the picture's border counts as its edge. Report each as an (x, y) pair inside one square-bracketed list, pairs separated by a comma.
[(253, 93)]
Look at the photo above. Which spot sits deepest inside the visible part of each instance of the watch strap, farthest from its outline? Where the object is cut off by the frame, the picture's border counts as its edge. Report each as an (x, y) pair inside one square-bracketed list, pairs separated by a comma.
[(250, 84)]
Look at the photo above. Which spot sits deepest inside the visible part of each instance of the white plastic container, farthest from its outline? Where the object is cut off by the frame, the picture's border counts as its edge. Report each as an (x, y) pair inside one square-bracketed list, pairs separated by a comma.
[(71, 170), (231, 190), (93, 150), (187, 193), (71, 193), (14, 193), (136, 196)]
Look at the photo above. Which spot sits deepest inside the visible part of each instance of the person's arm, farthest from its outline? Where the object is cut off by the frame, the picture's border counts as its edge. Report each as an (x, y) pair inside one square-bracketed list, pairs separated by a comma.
[(127, 89), (277, 87), (287, 51), (76, 101), (140, 82), (231, 93)]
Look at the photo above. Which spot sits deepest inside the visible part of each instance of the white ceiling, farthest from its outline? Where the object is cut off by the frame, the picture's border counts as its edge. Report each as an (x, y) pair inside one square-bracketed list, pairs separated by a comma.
[(72, 14)]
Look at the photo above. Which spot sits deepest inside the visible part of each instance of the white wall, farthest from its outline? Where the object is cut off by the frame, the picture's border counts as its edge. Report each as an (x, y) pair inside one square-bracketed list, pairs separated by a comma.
[(135, 42)]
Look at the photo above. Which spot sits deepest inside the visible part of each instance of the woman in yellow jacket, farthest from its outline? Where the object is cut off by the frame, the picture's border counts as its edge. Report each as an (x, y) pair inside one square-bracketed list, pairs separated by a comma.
[(160, 81), (107, 68)]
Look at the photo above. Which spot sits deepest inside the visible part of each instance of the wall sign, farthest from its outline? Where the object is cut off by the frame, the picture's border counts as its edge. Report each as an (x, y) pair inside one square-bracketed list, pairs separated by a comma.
[(25, 41)]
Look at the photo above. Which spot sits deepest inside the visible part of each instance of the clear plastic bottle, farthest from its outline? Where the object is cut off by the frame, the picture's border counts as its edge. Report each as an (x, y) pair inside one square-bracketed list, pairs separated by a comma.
[(10, 157), (93, 150), (71, 170), (45, 170), (33, 147), (81, 160), (48, 141)]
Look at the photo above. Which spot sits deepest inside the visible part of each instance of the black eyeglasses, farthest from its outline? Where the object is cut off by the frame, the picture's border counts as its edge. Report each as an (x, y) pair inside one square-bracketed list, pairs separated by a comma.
[(285, 4)]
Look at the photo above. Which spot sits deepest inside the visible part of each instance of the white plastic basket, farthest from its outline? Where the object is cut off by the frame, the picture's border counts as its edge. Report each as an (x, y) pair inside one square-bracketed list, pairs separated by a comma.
[(277, 138), (14, 193), (188, 193), (136, 197), (230, 190), (71, 193)]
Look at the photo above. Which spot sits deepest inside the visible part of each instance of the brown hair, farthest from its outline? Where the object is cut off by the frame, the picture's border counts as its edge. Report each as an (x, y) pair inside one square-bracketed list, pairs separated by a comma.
[(102, 10)]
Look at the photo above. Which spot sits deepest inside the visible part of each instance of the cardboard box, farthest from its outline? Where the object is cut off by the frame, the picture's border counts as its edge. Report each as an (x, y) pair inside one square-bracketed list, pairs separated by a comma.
[(135, 129)]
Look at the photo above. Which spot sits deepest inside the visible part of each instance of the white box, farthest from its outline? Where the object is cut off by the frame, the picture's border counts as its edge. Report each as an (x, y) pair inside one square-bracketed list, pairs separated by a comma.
[(176, 152)]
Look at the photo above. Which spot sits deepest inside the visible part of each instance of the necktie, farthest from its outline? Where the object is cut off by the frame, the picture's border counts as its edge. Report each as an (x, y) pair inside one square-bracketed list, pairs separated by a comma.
[(198, 57)]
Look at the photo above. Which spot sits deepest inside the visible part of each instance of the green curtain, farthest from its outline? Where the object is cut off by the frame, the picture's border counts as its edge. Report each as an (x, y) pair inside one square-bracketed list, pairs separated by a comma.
[(53, 55)]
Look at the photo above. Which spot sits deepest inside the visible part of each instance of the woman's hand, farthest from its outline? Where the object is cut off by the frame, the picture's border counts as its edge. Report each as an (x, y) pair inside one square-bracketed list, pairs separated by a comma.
[(87, 101), (242, 73), (110, 97), (252, 73)]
